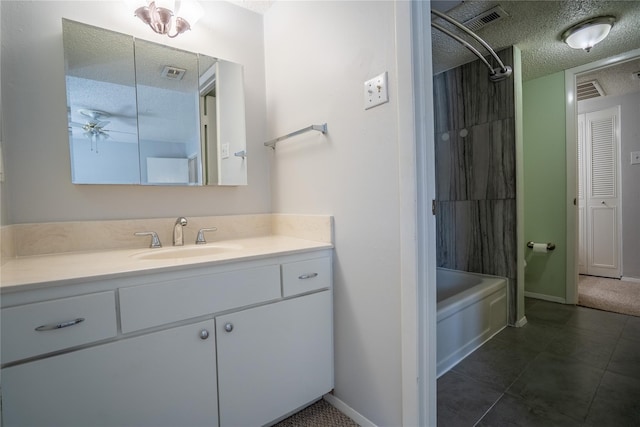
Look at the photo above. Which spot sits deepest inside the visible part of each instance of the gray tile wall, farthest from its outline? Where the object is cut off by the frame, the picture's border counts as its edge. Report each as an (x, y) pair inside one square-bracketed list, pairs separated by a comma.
[(475, 172)]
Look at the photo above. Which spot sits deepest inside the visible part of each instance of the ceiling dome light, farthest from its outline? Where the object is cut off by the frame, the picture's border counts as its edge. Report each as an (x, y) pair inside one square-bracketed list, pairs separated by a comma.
[(588, 33)]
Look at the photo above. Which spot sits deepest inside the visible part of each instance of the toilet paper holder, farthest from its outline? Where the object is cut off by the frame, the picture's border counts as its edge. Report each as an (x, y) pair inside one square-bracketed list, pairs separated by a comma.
[(550, 246)]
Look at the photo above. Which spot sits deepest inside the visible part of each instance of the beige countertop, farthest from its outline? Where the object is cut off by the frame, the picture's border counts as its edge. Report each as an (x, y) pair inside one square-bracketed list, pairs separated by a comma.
[(24, 273)]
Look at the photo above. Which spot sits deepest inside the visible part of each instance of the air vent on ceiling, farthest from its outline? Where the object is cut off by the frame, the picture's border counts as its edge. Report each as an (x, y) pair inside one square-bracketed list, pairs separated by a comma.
[(173, 73), (489, 17), (588, 90)]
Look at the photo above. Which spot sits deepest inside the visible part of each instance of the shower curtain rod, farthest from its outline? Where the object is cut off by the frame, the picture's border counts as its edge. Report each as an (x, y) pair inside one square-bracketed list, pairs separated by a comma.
[(495, 74)]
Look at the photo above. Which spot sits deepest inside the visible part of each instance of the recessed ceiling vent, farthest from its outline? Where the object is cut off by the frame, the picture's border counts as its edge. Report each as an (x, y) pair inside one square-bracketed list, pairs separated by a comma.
[(172, 73), (489, 17), (588, 90)]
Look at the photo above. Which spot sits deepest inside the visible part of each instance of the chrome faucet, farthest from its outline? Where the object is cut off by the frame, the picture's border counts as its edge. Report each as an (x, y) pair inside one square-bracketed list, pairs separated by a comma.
[(155, 241), (178, 239)]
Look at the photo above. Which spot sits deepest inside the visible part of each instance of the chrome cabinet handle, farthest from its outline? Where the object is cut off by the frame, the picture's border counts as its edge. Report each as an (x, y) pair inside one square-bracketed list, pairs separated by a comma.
[(228, 327), (204, 334), (308, 276), (54, 326)]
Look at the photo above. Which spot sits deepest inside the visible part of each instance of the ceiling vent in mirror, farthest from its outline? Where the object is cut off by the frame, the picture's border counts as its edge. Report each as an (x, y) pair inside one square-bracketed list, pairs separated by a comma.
[(588, 90), (489, 17), (173, 73)]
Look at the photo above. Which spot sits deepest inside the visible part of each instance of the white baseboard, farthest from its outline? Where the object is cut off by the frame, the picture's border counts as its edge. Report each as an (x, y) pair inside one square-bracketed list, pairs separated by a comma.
[(630, 279), (520, 323), (357, 417), (545, 297)]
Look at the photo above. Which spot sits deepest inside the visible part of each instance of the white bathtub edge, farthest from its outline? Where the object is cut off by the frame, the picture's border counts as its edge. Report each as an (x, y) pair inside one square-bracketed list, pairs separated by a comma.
[(462, 300), (468, 319), (445, 366)]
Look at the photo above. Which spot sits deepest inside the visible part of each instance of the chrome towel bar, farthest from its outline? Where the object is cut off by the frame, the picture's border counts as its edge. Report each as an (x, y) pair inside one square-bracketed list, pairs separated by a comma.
[(320, 128)]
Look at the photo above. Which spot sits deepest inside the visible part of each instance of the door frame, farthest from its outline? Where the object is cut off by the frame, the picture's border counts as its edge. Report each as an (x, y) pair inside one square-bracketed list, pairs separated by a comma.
[(571, 117), (418, 227)]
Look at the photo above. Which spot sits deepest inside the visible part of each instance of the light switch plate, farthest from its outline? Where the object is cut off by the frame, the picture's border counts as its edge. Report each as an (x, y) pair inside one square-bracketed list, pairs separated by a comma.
[(635, 157), (224, 151), (375, 91)]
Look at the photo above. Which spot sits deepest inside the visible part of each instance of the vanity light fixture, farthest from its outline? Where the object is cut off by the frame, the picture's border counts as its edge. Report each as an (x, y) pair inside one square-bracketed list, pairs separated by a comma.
[(170, 17), (587, 34)]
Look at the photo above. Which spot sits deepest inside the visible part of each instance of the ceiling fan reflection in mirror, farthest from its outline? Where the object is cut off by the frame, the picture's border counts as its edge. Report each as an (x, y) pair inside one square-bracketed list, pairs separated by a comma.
[(94, 128)]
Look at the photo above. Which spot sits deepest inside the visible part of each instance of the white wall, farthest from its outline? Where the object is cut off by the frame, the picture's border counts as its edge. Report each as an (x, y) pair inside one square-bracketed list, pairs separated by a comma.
[(3, 204), (630, 174), (38, 184), (318, 56)]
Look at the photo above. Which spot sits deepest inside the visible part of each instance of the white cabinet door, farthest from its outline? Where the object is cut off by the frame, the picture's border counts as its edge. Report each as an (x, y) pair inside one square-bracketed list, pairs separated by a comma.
[(166, 378), (274, 359)]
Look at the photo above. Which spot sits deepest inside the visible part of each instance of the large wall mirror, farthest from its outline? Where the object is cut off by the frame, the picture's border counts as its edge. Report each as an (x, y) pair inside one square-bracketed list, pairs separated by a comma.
[(144, 113)]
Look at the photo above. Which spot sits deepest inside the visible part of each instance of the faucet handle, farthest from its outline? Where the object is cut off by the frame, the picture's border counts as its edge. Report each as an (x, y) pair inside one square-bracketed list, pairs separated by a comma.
[(155, 240), (200, 238)]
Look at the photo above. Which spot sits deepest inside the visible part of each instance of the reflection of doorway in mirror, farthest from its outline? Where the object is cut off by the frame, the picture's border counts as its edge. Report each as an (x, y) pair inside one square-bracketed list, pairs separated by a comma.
[(193, 170), (209, 135)]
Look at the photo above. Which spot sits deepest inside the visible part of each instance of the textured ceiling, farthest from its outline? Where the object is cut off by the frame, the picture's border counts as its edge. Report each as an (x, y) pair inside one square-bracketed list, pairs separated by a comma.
[(535, 27), (617, 79)]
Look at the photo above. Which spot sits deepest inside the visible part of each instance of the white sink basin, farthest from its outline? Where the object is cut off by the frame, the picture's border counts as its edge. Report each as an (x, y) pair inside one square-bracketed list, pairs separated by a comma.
[(186, 251)]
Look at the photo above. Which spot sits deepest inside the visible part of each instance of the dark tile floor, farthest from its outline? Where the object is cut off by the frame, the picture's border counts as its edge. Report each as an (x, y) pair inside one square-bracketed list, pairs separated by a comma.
[(569, 366)]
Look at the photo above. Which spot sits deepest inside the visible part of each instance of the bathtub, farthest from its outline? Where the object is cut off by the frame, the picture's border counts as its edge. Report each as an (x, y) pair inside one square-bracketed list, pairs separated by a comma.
[(471, 309)]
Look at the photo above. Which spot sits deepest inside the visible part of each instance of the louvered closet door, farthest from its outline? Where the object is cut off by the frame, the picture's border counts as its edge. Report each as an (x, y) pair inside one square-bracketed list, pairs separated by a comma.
[(582, 212), (602, 136)]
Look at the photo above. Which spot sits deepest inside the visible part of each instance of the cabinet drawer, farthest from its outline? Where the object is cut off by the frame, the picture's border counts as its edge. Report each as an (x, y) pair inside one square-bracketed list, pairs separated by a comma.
[(305, 276), (156, 304), (59, 325)]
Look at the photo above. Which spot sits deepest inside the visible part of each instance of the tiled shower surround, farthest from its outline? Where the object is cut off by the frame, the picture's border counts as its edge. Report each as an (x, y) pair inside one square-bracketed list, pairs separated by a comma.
[(476, 173)]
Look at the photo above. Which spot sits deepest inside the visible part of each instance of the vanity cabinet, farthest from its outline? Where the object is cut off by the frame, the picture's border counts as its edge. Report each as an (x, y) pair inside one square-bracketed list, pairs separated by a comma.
[(274, 359), (166, 378), (241, 344)]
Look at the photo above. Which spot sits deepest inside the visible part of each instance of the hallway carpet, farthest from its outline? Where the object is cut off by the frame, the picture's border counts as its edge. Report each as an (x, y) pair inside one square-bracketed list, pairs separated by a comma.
[(609, 294)]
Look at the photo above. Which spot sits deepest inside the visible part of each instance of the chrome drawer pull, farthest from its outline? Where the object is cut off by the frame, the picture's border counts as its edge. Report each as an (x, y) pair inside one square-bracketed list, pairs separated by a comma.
[(54, 326), (308, 276)]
